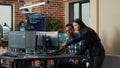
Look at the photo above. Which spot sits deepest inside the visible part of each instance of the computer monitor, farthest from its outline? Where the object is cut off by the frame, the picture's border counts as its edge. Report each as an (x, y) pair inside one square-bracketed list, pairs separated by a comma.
[(16, 39), (21, 39), (62, 37), (49, 40), (30, 40), (36, 22)]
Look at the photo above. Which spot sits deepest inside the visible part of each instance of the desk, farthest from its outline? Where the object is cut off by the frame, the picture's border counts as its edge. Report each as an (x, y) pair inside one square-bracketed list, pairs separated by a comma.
[(16, 62)]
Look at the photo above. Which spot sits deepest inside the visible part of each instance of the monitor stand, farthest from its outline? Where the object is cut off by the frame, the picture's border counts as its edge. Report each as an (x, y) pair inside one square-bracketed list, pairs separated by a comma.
[(30, 53)]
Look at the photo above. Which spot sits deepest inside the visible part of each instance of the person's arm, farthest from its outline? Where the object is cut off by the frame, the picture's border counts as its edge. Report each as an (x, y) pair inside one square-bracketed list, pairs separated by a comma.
[(81, 37), (89, 40), (62, 48), (88, 34), (3, 51)]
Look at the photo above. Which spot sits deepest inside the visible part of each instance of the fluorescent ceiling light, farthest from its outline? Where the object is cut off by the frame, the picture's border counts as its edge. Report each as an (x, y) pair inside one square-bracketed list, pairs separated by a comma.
[(41, 3)]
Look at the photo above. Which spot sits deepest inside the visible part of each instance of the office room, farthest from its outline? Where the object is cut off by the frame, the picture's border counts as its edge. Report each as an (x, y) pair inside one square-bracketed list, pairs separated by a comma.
[(40, 30)]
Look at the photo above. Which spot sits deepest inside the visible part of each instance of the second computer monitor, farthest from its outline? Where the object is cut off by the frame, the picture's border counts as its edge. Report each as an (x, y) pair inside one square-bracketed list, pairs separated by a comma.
[(48, 40), (22, 39), (16, 39)]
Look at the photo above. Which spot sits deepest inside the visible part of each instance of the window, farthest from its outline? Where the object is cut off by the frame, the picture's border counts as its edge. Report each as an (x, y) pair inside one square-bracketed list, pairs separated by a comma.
[(6, 15), (79, 9)]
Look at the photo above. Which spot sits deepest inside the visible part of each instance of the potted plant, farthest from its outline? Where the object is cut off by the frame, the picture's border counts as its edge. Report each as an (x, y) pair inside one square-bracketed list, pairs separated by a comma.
[(51, 25)]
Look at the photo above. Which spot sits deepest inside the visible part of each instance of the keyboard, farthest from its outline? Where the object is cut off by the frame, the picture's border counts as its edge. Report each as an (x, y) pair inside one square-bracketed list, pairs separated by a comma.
[(10, 54)]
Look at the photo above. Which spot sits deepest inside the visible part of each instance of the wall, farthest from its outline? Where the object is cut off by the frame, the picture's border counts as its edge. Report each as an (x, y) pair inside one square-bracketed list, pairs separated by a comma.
[(94, 15), (109, 21), (104, 18)]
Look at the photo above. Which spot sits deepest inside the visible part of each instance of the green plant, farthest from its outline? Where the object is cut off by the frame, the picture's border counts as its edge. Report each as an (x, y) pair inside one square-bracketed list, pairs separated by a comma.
[(52, 24), (20, 25)]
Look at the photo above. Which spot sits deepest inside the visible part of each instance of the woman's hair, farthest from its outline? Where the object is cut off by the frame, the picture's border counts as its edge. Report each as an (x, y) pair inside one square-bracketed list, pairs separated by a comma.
[(80, 22)]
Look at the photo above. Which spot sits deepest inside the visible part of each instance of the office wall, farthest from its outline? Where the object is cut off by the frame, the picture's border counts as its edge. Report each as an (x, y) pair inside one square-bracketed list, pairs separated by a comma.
[(109, 25), (104, 19), (94, 15)]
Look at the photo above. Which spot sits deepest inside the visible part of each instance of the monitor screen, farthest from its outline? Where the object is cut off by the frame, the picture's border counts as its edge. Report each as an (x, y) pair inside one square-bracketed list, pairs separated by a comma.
[(62, 37), (47, 39), (36, 22), (16, 39), (21, 39), (30, 39)]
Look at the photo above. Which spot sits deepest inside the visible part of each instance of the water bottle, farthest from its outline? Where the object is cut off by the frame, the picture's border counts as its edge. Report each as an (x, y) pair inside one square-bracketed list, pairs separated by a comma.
[(6, 30)]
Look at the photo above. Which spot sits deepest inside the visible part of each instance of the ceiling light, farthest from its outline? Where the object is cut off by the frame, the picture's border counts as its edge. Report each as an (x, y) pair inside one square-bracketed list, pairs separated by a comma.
[(33, 5)]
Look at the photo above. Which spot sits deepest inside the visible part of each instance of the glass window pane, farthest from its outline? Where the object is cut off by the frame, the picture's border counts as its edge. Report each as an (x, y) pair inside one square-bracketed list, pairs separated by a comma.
[(86, 13), (76, 10), (5, 15)]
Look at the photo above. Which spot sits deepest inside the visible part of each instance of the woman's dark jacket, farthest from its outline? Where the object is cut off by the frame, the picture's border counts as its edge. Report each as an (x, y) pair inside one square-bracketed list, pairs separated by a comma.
[(91, 42)]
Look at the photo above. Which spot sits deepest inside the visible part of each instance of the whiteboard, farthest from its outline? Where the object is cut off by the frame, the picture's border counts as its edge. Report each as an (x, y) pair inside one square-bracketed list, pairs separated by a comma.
[(6, 14)]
